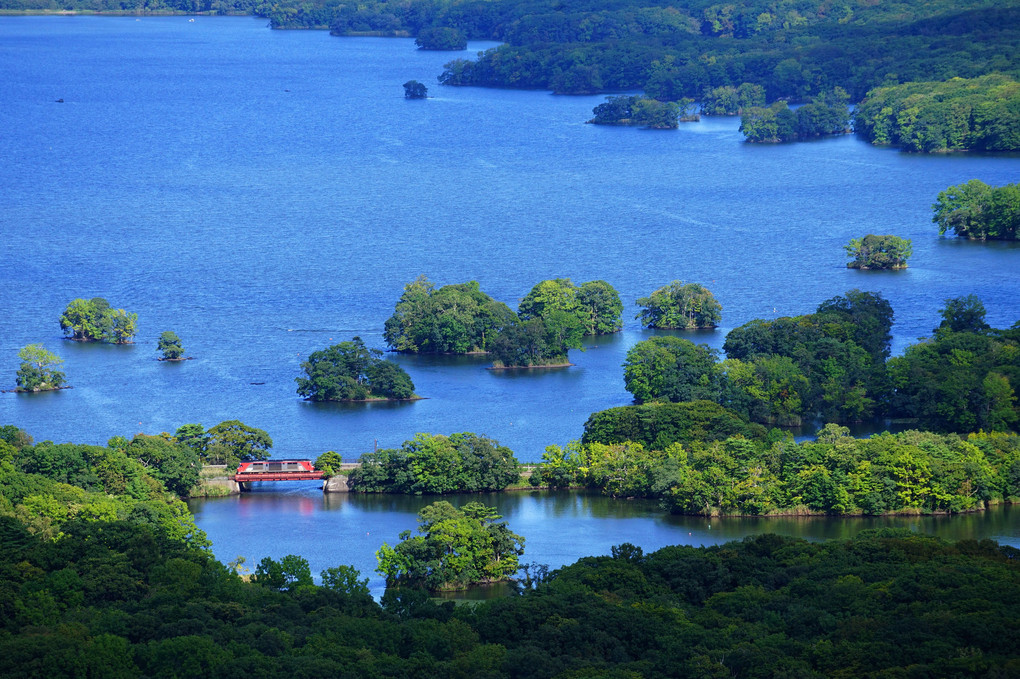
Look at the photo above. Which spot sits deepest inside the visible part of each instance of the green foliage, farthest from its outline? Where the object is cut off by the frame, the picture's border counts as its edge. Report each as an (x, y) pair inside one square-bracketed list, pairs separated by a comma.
[(833, 363), (349, 371), (231, 441), (659, 425), (455, 319), (38, 371), (825, 115), (963, 314), (170, 344), (599, 308), (330, 463), (878, 252), (455, 548), (963, 378), (980, 114), (126, 597), (682, 51), (671, 369), (175, 464), (596, 304), (730, 101), (540, 341), (194, 436), (978, 211), (680, 306), (436, 464), (18, 438), (441, 38), (642, 112), (50, 486), (93, 320), (286, 575), (837, 474), (415, 90), (346, 580)]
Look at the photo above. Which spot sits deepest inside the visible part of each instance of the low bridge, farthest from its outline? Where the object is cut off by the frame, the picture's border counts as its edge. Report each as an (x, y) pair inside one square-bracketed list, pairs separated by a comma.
[(275, 470)]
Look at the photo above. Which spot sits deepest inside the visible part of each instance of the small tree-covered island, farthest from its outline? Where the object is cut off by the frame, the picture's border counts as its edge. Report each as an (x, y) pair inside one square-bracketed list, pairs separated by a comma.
[(94, 320), (461, 319), (170, 346), (350, 371), (680, 306), (38, 370), (415, 90), (644, 112), (878, 252)]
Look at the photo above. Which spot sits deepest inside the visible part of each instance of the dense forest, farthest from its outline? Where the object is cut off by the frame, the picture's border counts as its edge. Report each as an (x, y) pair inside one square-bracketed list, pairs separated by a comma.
[(834, 366), (104, 574), (909, 472), (119, 597)]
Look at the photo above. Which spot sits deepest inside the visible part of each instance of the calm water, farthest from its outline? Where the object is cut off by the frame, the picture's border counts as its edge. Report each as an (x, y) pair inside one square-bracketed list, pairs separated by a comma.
[(265, 194), (559, 527)]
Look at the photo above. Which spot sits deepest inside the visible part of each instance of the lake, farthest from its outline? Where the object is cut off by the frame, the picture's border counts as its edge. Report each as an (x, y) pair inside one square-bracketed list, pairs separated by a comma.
[(265, 194), (559, 527)]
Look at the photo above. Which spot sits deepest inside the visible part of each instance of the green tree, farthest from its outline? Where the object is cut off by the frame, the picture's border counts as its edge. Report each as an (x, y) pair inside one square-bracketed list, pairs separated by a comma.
[(441, 38), (599, 308), (454, 319), (94, 320), (346, 580), (671, 369), (437, 464), (38, 371), (540, 341), (641, 111), (978, 211), (415, 90), (963, 314), (878, 252), (596, 304), (558, 294), (680, 306), (330, 463), (232, 441), (659, 425), (286, 575), (455, 548), (194, 436), (349, 371), (170, 344), (175, 464)]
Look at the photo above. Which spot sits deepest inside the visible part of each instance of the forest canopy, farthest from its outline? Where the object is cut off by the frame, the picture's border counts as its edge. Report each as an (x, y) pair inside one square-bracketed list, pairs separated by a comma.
[(94, 320), (350, 371), (978, 211), (838, 474), (454, 319), (834, 366), (433, 464), (979, 114)]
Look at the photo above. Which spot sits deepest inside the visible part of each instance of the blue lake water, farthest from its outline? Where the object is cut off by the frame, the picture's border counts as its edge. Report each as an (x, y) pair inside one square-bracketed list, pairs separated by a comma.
[(558, 527), (265, 194)]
